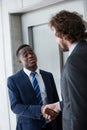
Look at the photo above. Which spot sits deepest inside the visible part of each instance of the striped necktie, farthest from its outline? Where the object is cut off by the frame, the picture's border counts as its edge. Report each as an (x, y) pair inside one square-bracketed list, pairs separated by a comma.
[(38, 94)]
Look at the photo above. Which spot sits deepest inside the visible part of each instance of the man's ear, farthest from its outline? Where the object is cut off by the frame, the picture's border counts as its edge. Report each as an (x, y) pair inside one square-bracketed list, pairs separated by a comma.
[(19, 60)]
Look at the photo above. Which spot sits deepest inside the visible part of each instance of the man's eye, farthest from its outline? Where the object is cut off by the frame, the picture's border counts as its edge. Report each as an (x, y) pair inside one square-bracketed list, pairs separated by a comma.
[(25, 55), (31, 53)]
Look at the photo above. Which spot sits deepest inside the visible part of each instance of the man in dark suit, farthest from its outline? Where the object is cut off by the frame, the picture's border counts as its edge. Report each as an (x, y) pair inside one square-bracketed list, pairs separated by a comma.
[(23, 98), (70, 31)]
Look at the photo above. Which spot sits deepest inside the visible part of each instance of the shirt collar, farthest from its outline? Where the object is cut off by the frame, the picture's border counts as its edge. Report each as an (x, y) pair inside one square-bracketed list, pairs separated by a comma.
[(28, 71), (72, 47)]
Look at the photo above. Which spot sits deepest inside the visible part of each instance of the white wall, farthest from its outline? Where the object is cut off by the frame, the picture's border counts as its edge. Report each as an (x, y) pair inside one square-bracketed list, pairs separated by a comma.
[(43, 15), (7, 118), (3, 93)]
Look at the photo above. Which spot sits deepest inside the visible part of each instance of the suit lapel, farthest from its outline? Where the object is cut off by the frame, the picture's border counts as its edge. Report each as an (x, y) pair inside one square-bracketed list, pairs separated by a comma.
[(26, 79), (77, 47), (27, 83)]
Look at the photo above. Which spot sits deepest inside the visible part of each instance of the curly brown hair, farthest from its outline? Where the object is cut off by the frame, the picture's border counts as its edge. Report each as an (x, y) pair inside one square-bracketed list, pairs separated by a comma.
[(69, 25)]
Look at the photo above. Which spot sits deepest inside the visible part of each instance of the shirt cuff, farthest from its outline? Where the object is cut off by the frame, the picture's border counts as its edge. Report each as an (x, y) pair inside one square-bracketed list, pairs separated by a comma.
[(58, 103)]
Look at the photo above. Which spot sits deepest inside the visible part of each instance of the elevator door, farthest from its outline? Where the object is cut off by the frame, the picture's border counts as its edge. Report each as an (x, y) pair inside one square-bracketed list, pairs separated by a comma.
[(47, 51)]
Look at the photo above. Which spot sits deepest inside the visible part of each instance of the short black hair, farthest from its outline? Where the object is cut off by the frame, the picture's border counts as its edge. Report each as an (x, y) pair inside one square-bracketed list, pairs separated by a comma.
[(21, 47)]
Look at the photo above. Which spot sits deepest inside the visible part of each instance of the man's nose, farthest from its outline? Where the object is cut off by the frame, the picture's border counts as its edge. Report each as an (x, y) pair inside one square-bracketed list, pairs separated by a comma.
[(29, 55)]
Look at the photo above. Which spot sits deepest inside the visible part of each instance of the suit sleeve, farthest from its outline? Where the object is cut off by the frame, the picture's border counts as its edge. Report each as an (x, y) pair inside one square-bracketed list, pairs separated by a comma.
[(31, 111), (76, 78)]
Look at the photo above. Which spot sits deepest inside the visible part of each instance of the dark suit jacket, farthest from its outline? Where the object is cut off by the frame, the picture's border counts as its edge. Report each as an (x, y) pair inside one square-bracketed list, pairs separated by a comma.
[(74, 89), (23, 100)]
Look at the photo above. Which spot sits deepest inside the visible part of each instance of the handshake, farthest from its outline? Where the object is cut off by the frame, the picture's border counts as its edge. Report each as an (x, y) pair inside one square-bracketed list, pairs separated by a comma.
[(50, 111)]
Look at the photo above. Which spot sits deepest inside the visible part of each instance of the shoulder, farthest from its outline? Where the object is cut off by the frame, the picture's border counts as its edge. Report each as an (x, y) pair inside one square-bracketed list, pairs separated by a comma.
[(45, 72), (16, 75)]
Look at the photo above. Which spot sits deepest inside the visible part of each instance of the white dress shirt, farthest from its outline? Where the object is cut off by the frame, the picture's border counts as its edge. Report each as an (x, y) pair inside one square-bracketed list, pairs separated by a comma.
[(40, 82), (72, 48)]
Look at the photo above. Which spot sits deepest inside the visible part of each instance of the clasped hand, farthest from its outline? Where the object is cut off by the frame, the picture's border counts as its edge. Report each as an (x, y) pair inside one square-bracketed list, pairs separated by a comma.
[(50, 111)]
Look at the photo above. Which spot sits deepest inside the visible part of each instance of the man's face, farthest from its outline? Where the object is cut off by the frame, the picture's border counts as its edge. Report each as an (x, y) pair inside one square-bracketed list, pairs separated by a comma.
[(28, 58), (61, 41)]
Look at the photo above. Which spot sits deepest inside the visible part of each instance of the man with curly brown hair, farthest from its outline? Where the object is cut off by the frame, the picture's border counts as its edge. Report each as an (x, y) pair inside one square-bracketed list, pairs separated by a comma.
[(70, 31)]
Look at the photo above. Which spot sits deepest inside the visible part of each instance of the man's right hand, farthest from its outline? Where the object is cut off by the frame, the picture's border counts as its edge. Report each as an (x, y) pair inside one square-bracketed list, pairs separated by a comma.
[(50, 111)]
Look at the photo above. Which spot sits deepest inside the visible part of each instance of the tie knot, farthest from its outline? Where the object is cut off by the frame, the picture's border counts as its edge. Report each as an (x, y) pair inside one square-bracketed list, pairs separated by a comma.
[(32, 74)]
